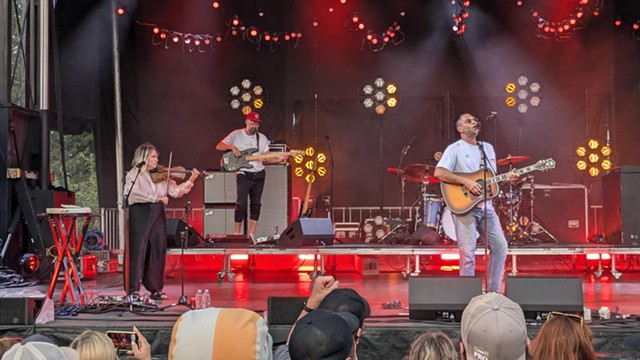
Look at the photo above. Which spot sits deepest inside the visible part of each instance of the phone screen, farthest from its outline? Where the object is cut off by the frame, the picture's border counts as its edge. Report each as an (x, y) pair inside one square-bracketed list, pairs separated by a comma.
[(122, 339)]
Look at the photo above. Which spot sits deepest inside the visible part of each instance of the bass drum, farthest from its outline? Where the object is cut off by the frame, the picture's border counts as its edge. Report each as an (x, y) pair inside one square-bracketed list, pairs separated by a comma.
[(448, 228)]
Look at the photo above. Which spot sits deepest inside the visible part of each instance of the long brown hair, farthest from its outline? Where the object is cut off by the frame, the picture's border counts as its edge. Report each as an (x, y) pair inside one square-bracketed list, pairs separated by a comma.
[(563, 337)]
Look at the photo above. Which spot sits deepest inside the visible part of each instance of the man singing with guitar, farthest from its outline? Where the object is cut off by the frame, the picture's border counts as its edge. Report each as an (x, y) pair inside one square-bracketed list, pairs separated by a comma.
[(250, 175), (466, 156)]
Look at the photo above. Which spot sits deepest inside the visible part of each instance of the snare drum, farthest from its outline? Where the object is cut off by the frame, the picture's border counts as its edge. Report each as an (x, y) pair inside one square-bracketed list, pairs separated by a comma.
[(448, 226), (431, 211)]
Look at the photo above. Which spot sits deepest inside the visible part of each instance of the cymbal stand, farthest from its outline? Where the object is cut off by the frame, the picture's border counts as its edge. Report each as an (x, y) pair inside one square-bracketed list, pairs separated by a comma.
[(512, 213), (534, 228)]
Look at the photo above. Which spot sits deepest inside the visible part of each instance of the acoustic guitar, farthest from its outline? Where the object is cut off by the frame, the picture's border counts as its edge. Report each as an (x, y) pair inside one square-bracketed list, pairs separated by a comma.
[(460, 200), (232, 163)]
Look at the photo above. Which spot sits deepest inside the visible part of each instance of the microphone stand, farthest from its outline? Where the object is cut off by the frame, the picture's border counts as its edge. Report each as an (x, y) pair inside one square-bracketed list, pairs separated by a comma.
[(184, 235), (125, 206), (332, 164), (484, 205), (403, 182)]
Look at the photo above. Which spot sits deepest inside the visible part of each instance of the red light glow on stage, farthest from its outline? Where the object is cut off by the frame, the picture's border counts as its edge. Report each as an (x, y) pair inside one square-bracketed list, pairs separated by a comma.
[(450, 256), (239, 257), (306, 256), (215, 4), (120, 11)]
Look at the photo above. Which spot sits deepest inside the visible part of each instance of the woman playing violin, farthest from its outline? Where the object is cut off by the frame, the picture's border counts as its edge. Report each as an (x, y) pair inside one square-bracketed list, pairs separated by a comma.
[(147, 224)]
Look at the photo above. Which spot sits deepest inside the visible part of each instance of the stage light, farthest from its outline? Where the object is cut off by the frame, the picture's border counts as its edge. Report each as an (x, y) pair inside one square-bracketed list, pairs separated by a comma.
[(310, 178), (449, 256), (367, 89), (253, 32), (522, 94), (535, 87), (618, 22), (391, 89), (235, 104), (510, 101), (379, 96), (593, 157), (592, 256), (306, 164), (315, 23), (361, 26), (235, 21), (522, 108), (379, 82), (156, 30), (175, 38), (596, 13), (330, 9), (321, 158), (120, 11), (355, 18), (511, 87), (163, 36), (310, 165), (636, 26), (246, 94), (246, 109), (466, 3), (374, 41), (368, 103), (215, 4), (309, 151), (534, 101), (298, 172), (375, 95), (343, 1), (605, 256), (258, 103), (322, 171), (380, 109), (29, 263), (579, 14), (219, 38), (246, 83), (392, 102), (521, 88), (306, 256), (522, 80), (237, 257), (246, 97)]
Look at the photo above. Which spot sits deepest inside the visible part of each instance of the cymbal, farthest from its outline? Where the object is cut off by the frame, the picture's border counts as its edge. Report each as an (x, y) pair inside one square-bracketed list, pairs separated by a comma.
[(512, 160), (395, 171), (419, 173)]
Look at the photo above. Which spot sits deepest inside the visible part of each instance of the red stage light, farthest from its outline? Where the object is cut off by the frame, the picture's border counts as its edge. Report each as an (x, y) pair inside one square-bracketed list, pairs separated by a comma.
[(275, 39), (374, 41), (466, 3), (343, 1), (540, 25), (215, 4), (355, 18), (207, 41), (234, 32), (369, 37), (605, 256), (175, 38), (120, 11), (196, 42), (287, 37), (293, 35), (618, 22), (299, 34), (596, 13), (579, 14), (361, 26), (566, 26), (465, 14), (636, 26), (452, 256), (593, 256), (187, 40), (547, 29), (267, 37), (163, 36), (156, 30), (534, 14), (239, 257), (385, 39), (560, 29), (253, 32), (572, 21), (330, 9), (584, 2), (218, 38), (235, 21)]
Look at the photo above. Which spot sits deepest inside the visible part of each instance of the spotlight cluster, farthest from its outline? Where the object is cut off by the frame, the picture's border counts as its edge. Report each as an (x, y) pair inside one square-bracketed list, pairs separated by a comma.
[(247, 95), (460, 16), (523, 94), (564, 28), (309, 164), (593, 157), (377, 97)]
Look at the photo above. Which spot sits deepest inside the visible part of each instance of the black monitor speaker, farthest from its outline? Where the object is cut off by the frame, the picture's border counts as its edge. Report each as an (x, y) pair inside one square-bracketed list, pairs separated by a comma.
[(441, 297), (175, 227), (540, 295), (308, 232)]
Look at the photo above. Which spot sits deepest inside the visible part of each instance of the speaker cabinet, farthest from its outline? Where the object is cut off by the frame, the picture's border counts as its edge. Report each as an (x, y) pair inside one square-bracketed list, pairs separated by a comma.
[(561, 209), (621, 206), (220, 187), (175, 227), (441, 297), (308, 232), (19, 311), (276, 197), (284, 310), (218, 220), (538, 295)]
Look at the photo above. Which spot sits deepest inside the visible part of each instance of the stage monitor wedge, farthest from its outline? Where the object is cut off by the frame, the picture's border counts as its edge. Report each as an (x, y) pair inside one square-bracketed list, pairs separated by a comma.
[(308, 232), (539, 295), (175, 227), (441, 297)]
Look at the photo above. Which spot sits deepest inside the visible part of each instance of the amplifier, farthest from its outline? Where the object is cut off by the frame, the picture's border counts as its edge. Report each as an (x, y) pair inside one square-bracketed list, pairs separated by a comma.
[(562, 210), (220, 187), (621, 203), (218, 219), (19, 311)]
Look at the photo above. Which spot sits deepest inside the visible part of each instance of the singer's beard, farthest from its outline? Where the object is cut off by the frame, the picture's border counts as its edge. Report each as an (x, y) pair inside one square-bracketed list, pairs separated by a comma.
[(253, 131), (473, 132)]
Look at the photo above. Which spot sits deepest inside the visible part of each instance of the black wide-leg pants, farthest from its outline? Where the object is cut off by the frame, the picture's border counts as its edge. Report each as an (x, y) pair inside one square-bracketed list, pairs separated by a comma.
[(147, 246)]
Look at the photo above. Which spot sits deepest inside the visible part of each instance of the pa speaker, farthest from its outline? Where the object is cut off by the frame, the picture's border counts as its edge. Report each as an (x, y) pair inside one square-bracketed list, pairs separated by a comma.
[(284, 310), (537, 295), (175, 227), (19, 311), (308, 232), (441, 297)]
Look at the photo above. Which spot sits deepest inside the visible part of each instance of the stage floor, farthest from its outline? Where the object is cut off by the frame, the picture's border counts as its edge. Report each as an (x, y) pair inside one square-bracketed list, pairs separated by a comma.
[(388, 332)]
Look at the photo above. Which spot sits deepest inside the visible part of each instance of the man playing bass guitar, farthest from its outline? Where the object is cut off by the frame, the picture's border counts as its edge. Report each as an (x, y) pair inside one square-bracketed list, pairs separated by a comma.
[(466, 155), (249, 180)]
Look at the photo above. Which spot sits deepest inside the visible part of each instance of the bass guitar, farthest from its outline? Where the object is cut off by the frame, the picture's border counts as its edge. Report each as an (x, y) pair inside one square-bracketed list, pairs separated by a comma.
[(460, 200), (232, 163), (305, 210)]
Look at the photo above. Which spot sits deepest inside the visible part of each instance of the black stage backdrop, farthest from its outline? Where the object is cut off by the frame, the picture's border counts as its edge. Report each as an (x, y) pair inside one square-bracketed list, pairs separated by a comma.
[(176, 99)]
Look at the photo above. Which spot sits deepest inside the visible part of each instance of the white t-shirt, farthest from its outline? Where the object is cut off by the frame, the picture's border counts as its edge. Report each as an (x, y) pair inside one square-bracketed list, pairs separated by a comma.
[(464, 157), (240, 139)]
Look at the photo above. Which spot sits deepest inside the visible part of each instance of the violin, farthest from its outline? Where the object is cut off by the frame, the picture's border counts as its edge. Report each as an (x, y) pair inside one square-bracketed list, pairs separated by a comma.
[(161, 172)]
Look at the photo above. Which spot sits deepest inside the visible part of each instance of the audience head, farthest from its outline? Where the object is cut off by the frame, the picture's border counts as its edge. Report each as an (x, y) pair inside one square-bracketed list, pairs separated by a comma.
[(347, 300), (39, 347), (433, 345), (493, 328), (94, 345), (6, 344), (220, 334), (563, 336), (323, 334), (633, 342)]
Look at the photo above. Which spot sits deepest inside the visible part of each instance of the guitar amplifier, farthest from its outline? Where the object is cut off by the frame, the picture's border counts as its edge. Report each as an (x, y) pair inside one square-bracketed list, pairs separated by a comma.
[(562, 210), (220, 187)]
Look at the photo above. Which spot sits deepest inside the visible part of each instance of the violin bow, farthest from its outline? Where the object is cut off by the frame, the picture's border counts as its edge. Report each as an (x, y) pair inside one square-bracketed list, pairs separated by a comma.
[(169, 171)]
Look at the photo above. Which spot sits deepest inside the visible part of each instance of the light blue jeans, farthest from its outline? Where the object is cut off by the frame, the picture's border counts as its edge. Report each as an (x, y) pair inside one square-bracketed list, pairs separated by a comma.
[(467, 228)]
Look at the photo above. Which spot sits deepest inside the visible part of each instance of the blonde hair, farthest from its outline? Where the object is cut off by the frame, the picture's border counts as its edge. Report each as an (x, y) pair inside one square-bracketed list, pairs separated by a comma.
[(142, 153), (94, 345), (433, 345)]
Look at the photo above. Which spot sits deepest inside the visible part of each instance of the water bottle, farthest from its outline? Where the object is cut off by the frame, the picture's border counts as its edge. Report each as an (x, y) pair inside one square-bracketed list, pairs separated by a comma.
[(199, 299), (206, 299)]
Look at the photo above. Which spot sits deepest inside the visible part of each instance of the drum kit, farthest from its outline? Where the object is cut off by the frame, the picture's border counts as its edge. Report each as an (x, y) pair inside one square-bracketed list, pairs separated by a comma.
[(433, 213)]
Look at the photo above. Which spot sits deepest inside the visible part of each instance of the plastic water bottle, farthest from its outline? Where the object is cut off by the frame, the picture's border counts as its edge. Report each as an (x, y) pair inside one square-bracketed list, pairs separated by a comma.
[(199, 298), (206, 299)]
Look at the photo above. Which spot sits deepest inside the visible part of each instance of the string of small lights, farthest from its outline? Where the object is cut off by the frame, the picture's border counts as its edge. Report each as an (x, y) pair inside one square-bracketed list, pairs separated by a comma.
[(460, 16), (562, 29)]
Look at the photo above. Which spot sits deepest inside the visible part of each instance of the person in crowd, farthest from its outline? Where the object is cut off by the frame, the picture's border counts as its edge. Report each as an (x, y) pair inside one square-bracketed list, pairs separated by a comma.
[(563, 336), (147, 195), (249, 181), (493, 328), (432, 345), (459, 160), (6, 344), (39, 347), (94, 345), (324, 334)]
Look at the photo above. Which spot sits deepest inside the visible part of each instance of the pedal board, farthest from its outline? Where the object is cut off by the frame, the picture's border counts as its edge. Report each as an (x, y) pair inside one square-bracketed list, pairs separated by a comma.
[(226, 239)]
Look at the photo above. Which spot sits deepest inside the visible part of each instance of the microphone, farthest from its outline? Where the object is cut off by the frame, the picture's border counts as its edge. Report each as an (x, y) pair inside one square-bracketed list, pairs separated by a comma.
[(141, 164), (493, 115), (327, 138), (405, 149)]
